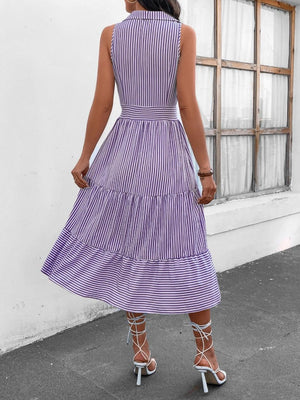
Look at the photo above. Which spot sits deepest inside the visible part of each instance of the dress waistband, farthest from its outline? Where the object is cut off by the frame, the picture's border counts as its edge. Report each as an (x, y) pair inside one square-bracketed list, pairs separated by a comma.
[(148, 112)]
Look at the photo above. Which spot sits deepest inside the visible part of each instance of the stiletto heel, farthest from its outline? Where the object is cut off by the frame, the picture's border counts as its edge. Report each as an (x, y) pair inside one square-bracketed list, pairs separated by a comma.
[(140, 368), (208, 374), (139, 376), (204, 384)]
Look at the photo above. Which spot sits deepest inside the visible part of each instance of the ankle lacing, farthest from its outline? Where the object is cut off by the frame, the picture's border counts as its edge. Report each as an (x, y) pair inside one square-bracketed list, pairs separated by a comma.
[(132, 320), (203, 335)]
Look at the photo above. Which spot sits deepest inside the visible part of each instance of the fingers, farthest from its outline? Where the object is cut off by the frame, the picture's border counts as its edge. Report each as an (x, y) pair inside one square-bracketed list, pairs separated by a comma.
[(205, 199), (208, 193), (78, 179)]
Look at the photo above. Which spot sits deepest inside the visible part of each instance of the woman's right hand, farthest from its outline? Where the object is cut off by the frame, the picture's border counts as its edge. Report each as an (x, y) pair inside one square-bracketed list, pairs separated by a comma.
[(78, 172), (209, 189)]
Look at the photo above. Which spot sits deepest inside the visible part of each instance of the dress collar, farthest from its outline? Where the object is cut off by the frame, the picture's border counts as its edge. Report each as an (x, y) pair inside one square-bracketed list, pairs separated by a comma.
[(147, 14)]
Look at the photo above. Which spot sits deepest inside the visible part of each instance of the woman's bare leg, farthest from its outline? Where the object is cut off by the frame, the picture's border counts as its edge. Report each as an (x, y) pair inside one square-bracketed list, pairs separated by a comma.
[(202, 317), (140, 339)]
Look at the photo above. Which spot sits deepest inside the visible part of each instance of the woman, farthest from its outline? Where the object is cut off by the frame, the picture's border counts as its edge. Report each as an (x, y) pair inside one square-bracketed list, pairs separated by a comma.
[(136, 236)]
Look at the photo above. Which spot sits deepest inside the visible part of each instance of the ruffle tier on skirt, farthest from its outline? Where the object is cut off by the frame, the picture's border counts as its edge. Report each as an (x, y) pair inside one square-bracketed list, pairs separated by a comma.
[(136, 237)]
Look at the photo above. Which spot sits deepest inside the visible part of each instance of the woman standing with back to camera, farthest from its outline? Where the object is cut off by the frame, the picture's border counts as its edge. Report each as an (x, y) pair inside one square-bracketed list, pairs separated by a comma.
[(136, 236)]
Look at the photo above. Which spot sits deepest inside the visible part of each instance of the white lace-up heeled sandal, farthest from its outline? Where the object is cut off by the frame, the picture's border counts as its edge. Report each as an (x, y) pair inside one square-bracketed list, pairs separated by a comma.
[(208, 375), (140, 368)]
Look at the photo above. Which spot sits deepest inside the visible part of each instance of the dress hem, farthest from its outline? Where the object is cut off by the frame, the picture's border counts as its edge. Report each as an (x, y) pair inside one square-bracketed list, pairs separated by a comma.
[(171, 286), (124, 308)]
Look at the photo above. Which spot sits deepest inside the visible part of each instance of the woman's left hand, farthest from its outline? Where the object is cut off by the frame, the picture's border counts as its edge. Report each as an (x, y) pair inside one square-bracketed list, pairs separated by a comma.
[(78, 172), (208, 190)]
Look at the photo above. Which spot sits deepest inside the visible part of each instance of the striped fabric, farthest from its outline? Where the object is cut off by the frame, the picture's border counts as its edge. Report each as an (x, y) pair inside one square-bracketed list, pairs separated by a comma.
[(136, 237)]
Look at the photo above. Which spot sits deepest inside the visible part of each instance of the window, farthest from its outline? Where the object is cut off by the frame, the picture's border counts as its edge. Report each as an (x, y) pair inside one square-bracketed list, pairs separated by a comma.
[(244, 86)]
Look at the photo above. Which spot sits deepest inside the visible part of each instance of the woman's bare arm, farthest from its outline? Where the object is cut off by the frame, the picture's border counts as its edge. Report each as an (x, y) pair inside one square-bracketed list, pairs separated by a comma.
[(189, 109), (101, 106)]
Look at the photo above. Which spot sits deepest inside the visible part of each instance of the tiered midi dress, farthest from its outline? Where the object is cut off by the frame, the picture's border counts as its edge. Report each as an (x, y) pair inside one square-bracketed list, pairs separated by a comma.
[(136, 237)]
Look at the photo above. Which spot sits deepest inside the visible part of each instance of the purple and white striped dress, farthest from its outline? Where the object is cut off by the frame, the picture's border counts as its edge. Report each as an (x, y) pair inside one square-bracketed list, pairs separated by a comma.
[(136, 237)]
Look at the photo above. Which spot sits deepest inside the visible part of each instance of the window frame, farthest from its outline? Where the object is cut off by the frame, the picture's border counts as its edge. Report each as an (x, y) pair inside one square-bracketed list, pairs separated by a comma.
[(257, 68)]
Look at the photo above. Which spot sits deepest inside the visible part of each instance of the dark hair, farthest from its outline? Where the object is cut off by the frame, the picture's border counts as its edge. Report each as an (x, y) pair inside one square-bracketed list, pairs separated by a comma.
[(171, 7)]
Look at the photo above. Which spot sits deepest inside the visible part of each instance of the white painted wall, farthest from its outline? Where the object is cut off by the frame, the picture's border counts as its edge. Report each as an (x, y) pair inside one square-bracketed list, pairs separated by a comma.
[(48, 67)]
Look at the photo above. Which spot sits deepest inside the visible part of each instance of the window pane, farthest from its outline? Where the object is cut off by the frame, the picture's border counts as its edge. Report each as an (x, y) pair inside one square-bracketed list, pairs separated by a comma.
[(236, 98), (275, 26), (204, 93), (238, 25), (273, 100), (200, 15), (271, 161), (236, 164)]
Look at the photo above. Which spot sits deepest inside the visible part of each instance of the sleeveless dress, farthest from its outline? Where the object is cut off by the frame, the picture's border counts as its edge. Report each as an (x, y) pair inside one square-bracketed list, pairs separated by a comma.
[(136, 237)]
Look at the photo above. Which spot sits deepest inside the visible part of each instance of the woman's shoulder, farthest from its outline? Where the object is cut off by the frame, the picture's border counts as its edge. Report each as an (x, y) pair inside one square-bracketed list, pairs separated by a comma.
[(188, 35), (108, 30), (187, 31), (107, 33)]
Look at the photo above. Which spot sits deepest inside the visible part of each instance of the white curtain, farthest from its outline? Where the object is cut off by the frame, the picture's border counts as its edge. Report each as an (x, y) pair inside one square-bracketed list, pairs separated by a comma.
[(237, 152), (238, 26), (205, 94), (200, 15), (236, 98), (272, 148), (273, 100), (236, 112), (236, 164), (271, 161), (275, 26), (237, 94)]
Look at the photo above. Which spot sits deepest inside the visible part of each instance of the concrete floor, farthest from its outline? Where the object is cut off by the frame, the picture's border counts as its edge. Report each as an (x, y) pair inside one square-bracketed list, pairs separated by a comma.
[(255, 333)]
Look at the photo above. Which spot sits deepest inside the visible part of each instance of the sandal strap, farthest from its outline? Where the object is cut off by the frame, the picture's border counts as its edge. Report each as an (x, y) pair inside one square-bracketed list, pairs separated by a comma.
[(134, 322), (203, 335)]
